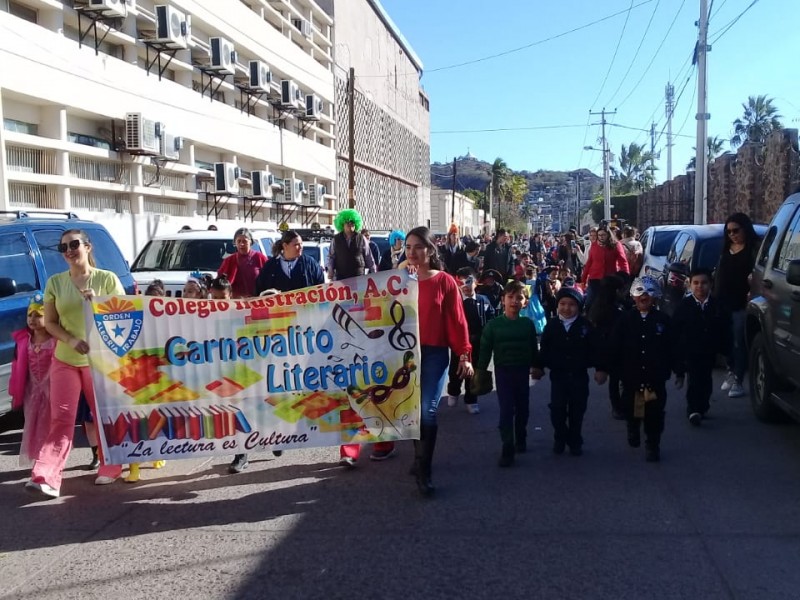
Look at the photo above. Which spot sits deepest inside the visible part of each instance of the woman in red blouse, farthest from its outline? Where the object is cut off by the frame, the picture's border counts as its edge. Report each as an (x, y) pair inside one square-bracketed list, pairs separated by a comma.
[(442, 327), (606, 257), (243, 266)]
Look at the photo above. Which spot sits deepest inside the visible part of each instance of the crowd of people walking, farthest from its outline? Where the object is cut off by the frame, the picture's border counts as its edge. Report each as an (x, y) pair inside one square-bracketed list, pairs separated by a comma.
[(528, 305)]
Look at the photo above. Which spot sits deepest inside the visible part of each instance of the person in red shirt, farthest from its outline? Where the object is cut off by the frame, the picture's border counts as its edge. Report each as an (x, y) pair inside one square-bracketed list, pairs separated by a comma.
[(442, 327), (243, 266), (606, 257)]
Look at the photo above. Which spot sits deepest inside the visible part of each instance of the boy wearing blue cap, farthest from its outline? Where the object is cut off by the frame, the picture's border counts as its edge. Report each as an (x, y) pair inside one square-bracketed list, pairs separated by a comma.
[(569, 349)]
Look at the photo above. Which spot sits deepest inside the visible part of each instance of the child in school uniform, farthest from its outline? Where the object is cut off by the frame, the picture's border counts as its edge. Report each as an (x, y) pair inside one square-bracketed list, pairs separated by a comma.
[(478, 310), (701, 332), (29, 385), (569, 349), (642, 343), (511, 338)]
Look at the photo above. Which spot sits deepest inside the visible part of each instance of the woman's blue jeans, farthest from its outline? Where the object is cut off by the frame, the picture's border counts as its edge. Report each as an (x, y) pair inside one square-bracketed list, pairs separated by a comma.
[(737, 361), (433, 376)]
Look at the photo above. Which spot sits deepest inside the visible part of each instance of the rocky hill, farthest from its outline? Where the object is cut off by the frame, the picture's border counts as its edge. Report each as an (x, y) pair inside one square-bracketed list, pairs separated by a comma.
[(473, 173)]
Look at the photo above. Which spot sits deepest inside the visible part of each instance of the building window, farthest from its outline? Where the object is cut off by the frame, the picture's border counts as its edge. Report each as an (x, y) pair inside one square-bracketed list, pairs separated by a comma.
[(19, 10), (201, 164), (20, 126), (426, 104), (88, 140)]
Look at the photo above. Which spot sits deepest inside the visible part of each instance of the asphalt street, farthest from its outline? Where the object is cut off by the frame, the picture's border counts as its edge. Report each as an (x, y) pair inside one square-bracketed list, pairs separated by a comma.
[(719, 517)]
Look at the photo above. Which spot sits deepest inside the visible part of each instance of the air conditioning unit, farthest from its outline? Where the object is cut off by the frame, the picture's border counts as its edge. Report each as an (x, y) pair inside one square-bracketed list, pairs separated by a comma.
[(293, 190), (262, 184), (142, 136), (223, 56), (313, 107), (171, 146), (260, 76), (111, 8), (173, 28), (303, 26), (226, 178), (290, 95), (316, 195)]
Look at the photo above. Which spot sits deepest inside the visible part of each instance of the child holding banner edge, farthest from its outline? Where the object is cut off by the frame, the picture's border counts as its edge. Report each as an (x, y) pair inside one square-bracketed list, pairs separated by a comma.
[(442, 327)]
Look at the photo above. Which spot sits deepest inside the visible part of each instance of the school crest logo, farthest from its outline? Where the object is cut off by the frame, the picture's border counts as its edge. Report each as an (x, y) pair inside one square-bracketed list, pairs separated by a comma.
[(119, 322)]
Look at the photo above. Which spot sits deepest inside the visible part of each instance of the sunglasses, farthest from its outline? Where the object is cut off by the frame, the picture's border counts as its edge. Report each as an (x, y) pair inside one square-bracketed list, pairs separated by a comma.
[(72, 245), (733, 231)]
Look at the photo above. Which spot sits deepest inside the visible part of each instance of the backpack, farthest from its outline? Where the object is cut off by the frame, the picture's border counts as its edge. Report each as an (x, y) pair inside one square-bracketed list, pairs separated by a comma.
[(634, 260)]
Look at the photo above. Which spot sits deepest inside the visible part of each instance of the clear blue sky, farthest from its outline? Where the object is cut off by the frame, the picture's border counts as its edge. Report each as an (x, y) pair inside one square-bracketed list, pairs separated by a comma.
[(558, 82)]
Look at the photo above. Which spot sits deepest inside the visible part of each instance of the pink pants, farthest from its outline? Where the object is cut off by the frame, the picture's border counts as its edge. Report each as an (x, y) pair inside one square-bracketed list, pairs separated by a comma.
[(66, 384), (354, 450)]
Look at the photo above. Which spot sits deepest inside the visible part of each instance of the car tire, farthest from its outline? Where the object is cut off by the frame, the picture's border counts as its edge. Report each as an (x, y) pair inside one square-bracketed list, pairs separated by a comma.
[(763, 382)]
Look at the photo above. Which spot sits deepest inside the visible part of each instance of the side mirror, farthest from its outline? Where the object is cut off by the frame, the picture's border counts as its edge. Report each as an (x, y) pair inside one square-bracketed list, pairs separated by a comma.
[(793, 273), (8, 287)]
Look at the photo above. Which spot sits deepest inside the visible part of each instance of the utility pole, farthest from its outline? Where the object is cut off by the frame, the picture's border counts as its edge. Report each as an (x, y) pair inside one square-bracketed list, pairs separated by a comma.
[(453, 206), (701, 156), (670, 109), (351, 120), (606, 165)]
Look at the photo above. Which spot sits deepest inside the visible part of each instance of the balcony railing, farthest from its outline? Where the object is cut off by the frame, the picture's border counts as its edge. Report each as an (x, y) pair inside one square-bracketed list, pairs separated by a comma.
[(161, 178), (28, 195), (111, 171), (99, 201), (30, 160)]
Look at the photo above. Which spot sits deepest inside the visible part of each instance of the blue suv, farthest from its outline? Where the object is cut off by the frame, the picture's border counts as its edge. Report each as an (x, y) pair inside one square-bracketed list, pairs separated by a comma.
[(28, 257)]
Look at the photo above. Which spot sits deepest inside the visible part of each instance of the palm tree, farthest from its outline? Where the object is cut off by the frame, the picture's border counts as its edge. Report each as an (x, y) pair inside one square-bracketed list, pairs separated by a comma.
[(634, 172), (760, 118), (714, 147)]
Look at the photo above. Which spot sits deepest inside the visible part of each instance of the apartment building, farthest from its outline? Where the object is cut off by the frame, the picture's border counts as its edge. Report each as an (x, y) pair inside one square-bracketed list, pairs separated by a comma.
[(391, 115), (149, 115)]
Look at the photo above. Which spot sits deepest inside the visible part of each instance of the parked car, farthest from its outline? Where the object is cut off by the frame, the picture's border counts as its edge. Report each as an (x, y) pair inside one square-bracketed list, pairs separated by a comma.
[(773, 318), (695, 246), (656, 242), (172, 258), (28, 257)]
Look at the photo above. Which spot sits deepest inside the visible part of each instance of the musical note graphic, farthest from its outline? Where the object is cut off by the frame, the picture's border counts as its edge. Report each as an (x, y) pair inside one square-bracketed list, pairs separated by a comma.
[(336, 359), (399, 339), (348, 323), (347, 345)]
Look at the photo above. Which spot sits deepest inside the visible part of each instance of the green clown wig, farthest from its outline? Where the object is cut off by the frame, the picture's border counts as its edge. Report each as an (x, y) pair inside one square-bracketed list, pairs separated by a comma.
[(345, 216)]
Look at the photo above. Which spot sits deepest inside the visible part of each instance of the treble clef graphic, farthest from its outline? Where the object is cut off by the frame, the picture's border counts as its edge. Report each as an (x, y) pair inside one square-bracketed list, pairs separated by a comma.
[(399, 339)]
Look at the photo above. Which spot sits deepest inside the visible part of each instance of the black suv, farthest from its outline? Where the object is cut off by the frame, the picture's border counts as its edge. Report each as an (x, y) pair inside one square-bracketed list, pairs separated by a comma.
[(773, 318)]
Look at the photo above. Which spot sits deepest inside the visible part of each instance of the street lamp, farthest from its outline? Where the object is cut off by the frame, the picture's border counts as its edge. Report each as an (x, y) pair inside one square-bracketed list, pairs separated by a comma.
[(606, 180)]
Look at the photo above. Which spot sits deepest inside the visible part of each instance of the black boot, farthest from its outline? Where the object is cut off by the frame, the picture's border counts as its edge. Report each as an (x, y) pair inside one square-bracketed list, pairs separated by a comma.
[(634, 435), (427, 445), (95, 464), (507, 455)]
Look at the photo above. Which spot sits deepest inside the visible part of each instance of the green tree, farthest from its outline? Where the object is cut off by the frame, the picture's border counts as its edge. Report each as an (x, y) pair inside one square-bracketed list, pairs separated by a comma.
[(500, 174), (477, 197), (760, 118), (634, 173), (714, 147)]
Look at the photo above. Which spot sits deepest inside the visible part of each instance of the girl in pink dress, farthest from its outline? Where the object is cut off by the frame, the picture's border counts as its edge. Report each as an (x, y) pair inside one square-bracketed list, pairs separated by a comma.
[(29, 385)]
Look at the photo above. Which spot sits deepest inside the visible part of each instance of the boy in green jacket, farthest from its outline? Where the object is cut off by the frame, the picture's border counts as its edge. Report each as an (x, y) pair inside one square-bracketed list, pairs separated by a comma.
[(512, 340)]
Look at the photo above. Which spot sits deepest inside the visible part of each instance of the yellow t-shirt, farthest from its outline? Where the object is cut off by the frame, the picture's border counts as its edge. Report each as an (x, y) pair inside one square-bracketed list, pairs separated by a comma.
[(69, 304)]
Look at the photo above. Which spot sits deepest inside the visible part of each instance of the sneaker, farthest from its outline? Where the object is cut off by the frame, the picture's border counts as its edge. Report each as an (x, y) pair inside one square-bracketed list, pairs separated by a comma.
[(239, 464), (695, 418), (473, 409), (42, 488), (736, 391), (452, 401), (104, 480), (730, 379), (382, 454), (347, 461)]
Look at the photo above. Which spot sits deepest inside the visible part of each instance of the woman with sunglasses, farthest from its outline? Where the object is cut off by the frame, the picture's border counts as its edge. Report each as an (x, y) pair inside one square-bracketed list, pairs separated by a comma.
[(64, 297), (732, 291)]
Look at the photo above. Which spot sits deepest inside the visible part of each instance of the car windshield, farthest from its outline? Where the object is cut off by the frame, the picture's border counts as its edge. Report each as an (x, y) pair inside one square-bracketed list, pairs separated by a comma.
[(183, 255), (662, 241), (708, 253)]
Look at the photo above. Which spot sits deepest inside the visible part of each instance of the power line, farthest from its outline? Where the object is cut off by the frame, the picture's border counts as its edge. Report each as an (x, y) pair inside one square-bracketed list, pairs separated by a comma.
[(727, 27), (652, 60), (530, 45), (689, 112), (496, 129), (635, 54), (645, 130), (614, 57), (719, 8)]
